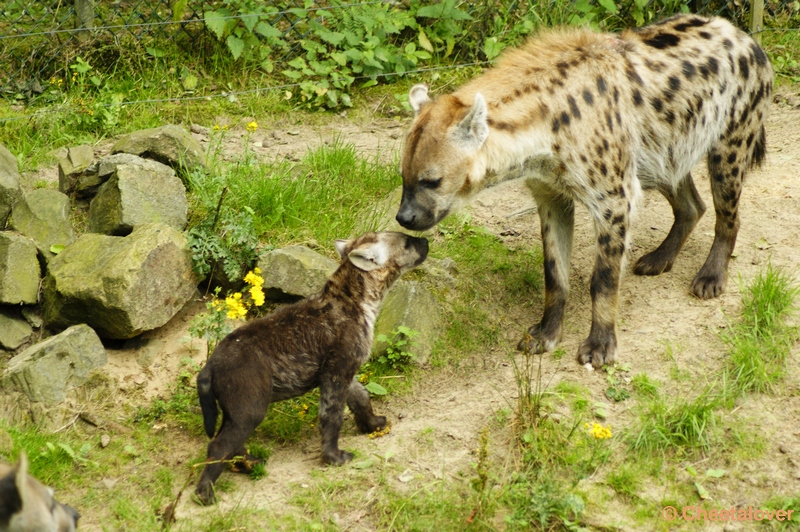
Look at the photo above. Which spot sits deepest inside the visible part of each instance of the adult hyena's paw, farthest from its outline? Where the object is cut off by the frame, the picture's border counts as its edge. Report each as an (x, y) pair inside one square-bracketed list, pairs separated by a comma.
[(709, 285), (537, 340), (598, 350), (654, 263), (336, 457)]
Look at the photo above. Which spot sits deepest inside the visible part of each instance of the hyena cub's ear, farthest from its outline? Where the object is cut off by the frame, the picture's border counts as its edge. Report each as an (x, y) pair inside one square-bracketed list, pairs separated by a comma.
[(418, 96), (369, 257), (473, 129), (341, 247)]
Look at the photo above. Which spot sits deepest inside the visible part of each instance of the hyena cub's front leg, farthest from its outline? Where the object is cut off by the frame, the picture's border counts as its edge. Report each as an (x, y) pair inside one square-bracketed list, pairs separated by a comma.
[(556, 215), (611, 230)]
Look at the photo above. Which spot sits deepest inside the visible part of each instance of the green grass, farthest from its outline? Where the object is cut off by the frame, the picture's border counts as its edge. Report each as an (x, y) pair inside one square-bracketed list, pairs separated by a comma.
[(760, 341), (329, 194)]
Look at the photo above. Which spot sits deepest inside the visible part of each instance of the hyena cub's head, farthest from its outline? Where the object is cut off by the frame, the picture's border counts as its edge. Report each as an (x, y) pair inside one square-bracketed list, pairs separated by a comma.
[(26, 505), (440, 160), (385, 255)]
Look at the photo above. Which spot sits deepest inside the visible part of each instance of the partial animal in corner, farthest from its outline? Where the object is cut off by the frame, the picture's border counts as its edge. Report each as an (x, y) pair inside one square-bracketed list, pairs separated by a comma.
[(320, 341), (27, 505)]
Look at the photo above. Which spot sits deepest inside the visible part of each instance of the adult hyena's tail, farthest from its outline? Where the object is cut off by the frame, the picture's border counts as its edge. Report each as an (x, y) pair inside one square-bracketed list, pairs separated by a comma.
[(759, 152), (208, 403)]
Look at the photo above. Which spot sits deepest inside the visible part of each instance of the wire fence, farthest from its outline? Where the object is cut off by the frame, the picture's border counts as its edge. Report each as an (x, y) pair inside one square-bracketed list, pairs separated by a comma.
[(40, 39)]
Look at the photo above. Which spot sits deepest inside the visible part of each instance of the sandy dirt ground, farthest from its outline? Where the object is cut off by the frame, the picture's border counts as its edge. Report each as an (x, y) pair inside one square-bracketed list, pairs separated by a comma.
[(435, 430)]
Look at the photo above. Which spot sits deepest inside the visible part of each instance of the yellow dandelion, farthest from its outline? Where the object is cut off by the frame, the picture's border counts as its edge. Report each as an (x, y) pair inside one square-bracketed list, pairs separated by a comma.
[(252, 126), (381, 432), (257, 294), (600, 432), (216, 127)]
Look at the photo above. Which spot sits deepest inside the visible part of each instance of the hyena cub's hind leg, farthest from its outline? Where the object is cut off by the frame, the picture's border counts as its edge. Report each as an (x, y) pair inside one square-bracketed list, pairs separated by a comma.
[(687, 207)]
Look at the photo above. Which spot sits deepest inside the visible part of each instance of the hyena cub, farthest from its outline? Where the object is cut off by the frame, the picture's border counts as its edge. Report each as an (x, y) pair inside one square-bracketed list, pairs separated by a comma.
[(597, 117), (26, 505), (320, 342)]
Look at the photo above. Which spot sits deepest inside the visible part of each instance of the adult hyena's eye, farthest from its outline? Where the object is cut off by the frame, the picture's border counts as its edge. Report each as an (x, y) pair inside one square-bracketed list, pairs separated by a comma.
[(430, 183)]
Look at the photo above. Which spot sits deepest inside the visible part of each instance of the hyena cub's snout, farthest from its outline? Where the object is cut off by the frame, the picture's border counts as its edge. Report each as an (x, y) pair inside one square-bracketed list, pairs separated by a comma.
[(417, 248)]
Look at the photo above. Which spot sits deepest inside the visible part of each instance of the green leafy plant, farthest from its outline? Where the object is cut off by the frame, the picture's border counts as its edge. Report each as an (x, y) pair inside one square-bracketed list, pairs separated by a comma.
[(397, 355)]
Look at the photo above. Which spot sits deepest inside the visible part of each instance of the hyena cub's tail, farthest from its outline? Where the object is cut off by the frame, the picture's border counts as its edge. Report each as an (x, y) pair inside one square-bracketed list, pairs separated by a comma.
[(208, 403)]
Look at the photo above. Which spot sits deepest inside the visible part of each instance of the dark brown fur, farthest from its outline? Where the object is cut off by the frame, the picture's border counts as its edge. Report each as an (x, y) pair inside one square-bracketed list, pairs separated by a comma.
[(318, 342)]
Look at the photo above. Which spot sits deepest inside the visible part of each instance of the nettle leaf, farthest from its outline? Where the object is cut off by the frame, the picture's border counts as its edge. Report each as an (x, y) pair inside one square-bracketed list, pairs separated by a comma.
[(333, 37), (492, 48), (608, 5), (375, 389), (292, 74), (423, 41), (235, 45), (340, 58), (250, 20), (297, 62), (216, 22), (178, 7), (266, 30)]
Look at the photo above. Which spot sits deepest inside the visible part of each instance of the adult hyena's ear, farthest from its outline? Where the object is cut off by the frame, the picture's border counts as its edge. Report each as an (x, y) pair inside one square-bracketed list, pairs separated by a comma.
[(473, 129), (418, 96), (341, 246), (369, 257)]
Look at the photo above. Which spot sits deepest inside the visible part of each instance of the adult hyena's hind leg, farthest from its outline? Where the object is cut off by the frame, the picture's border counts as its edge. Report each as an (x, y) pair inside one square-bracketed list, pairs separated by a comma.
[(727, 164), (687, 207)]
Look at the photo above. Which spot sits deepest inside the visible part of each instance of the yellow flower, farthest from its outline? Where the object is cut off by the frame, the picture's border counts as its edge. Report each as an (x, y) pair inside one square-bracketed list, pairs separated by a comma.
[(598, 431), (252, 126), (381, 432), (257, 294), (253, 278), (216, 127), (236, 309)]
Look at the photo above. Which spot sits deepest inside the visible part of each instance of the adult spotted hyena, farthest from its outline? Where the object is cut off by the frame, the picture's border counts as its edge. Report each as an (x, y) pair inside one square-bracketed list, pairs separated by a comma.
[(597, 117)]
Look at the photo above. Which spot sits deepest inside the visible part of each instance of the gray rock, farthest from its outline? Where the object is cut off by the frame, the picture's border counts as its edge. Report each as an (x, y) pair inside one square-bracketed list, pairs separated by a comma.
[(410, 304), (138, 192), (72, 167), (14, 331), (171, 145), (32, 316), (10, 192), (43, 216), (120, 286), (294, 271), (45, 371), (19, 269)]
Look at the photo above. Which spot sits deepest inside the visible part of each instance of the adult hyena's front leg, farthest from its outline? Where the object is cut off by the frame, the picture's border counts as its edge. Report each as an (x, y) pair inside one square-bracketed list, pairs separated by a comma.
[(556, 214), (611, 229)]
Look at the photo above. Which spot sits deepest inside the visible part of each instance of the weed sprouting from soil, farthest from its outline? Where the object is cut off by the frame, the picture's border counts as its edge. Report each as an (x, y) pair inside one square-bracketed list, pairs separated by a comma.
[(760, 342)]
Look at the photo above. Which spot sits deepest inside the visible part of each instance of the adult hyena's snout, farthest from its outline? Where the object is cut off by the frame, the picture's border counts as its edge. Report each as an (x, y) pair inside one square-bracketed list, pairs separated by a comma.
[(413, 215)]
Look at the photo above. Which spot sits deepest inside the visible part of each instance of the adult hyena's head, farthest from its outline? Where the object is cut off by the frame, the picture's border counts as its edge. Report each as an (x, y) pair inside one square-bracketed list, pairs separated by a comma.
[(440, 165)]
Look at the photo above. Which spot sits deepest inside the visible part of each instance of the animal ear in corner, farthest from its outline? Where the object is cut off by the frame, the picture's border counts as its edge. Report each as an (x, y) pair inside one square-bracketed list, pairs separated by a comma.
[(341, 246), (418, 96), (368, 258), (473, 129)]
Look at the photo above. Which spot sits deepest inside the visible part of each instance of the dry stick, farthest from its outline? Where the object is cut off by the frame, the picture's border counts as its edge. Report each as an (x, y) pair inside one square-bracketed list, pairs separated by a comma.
[(213, 226), (168, 513)]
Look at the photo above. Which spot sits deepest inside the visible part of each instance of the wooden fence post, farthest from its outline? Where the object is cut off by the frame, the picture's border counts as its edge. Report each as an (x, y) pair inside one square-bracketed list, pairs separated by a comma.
[(84, 10), (757, 19)]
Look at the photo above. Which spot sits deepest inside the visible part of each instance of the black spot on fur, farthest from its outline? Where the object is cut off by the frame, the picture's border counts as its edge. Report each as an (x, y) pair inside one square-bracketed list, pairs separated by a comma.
[(564, 119), (663, 40), (705, 35), (618, 219), (691, 23), (688, 70), (674, 83), (744, 68), (713, 65), (634, 76), (607, 215), (727, 43), (670, 117), (602, 280), (732, 157), (601, 85), (761, 57), (657, 104), (587, 97), (556, 125), (603, 169), (637, 98), (573, 107)]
